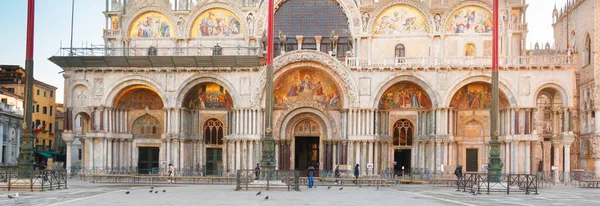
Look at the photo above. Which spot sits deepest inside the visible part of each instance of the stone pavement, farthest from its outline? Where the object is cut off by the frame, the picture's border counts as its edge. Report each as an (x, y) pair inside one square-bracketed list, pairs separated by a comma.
[(88, 194)]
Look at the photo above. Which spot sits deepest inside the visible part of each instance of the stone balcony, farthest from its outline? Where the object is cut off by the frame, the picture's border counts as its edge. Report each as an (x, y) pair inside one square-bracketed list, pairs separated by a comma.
[(11, 109), (520, 27), (424, 63), (112, 33)]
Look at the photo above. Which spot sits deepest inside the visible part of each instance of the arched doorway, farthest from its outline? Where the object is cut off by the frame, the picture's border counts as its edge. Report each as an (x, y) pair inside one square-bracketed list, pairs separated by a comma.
[(306, 137), (137, 110), (548, 125), (403, 134), (213, 139), (81, 127)]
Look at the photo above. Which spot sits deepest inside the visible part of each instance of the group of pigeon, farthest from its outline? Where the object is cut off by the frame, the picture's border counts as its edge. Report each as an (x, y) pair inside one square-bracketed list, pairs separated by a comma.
[(267, 197), (151, 191)]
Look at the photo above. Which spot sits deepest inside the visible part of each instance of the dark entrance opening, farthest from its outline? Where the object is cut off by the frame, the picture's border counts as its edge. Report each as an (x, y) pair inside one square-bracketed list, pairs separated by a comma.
[(213, 160), (401, 158), (148, 160), (307, 153), (472, 159)]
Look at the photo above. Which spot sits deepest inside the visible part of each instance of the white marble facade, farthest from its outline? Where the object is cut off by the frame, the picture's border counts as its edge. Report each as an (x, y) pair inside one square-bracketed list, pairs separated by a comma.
[(538, 110)]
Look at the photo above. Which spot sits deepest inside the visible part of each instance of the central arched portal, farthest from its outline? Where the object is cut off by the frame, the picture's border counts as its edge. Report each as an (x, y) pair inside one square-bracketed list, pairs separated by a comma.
[(305, 143), (403, 135)]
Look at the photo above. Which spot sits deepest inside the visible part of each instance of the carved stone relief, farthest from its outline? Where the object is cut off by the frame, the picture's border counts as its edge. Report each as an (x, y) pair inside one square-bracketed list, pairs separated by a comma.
[(365, 86), (524, 85), (245, 86)]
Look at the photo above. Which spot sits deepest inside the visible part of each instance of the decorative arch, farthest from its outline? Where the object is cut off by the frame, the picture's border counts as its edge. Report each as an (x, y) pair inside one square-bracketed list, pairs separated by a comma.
[(128, 81), (79, 95), (457, 15), (137, 8), (404, 95), (414, 78), (306, 107), (473, 128), (300, 82), (410, 17), (231, 14), (588, 50), (348, 6), (327, 63), (147, 126), (87, 127), (138, 97), (295, 122), (151, 24), (505, 88), (197, 79), (476, 95), (552, 85)]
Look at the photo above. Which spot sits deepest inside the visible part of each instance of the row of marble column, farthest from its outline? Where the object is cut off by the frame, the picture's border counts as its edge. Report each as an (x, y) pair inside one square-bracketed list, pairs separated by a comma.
[(589, 123), (109, 119), (241, 154), (183, 153), (431, 154), (106, 152), (246, 121)]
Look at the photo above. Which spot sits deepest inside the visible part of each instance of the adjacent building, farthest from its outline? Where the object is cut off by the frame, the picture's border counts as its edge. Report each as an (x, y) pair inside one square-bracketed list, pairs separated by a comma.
[(11, 121), (388, 85)]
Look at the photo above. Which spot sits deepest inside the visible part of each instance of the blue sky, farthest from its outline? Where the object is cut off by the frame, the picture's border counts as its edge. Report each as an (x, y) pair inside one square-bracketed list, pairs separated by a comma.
[(53, 20)]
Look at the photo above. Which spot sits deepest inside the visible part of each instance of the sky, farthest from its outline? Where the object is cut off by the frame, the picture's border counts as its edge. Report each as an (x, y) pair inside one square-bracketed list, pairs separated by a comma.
[(53, 21)]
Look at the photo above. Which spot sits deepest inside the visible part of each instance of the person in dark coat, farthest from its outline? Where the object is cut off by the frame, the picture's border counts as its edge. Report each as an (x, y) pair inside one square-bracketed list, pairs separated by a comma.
[(337, 173), (257, 171), (356, 173), (458, 173), (311, 176)]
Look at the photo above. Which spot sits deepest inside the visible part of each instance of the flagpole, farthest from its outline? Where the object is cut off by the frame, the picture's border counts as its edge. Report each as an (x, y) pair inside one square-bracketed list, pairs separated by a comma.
[(268, 149), (495, 163), (26, 155)]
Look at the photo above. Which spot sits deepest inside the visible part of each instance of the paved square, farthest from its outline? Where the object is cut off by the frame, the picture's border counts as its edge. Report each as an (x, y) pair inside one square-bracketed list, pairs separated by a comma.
[(84, 193)]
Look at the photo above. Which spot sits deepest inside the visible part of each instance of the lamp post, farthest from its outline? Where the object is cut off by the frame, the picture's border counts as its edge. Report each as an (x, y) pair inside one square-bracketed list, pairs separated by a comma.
[(26, 156), (495, 163), (268, 150)]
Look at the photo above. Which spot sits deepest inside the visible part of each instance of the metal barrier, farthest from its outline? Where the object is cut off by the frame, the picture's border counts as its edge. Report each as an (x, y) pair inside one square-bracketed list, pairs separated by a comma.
[(247, 179), (33, 180), (84, 172), (476, 182)]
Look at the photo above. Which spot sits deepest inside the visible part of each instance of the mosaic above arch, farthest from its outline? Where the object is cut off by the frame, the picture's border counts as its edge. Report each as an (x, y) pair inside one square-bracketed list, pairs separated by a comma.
[(308, 85), (152, 24), (400, 19), (138, 98), (217, 22), (208, 95), (470, 19), (404, 95), (476, 95)]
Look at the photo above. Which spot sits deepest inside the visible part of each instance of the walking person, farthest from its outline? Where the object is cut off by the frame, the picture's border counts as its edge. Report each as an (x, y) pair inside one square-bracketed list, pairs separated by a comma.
[(337, 174), (356, 173), (311, 176), (458, 173), (257, 171), (171, 172)]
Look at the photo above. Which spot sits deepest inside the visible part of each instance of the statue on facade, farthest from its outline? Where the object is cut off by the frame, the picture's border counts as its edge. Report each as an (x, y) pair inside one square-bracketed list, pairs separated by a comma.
[(250, 24), (438, 22), (263, 41), (365, 20), (333, 39), (282, 41)]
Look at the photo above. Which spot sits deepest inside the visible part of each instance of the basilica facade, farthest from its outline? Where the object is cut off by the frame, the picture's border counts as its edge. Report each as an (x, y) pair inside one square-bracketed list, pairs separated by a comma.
[(389, 85)]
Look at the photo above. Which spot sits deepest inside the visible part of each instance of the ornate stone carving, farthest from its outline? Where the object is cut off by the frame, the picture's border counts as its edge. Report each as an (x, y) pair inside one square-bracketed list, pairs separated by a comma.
[(451, 11), (348, 85), (365, 86), (313, 105), (594, 146), (419, 6), (198, 10), (365, 21), (250, 24)]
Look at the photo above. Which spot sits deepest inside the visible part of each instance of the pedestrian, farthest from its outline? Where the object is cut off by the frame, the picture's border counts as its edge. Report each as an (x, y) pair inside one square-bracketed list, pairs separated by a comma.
[(458, 173), (311, 174), (356, 173), (337, 174), (257, 171), (171, 172)]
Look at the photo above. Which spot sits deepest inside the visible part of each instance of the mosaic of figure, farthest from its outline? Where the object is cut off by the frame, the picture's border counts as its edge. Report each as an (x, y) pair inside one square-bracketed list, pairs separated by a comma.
[(306, 85), (476, 96), (139, 99), (470, 19), (152, 25), (404, 95), (469, 50), (208, 96), (216, 22), (400, 19)]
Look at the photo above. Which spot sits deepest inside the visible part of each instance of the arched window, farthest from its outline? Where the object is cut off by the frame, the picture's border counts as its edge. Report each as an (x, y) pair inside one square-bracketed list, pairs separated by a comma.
[(403, 133), (588, 50), (400, 51), (213, 132)]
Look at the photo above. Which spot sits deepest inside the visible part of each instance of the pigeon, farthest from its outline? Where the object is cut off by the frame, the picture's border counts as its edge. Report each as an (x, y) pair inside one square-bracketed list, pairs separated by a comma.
[(93, 181), (127, 192), (329, 187), (164, 190), (16, 197), (341, 188), (267, 197), (257, 194), (156, 192), (10, 197), (150, 191), (152, 187)]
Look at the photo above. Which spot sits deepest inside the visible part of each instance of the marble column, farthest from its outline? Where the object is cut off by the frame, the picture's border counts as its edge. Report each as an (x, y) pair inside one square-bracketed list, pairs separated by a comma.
[(169, 152), (91, 152), (238, 162), (225, 157), (438, 156), (69, 155), (109, 155), (250, 154), (2, 122), (279, 164), (567, 161), (376, 158), (527, 157), (244, 151), (357, 152), (370, 155)]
